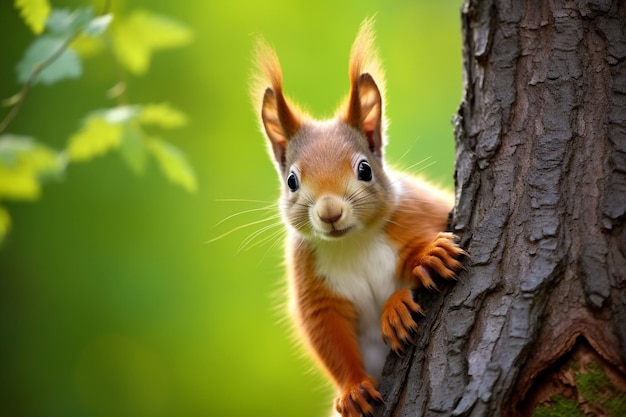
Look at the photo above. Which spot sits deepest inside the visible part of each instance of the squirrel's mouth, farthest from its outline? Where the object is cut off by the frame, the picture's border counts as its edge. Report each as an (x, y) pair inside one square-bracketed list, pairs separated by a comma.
[(336, 233)]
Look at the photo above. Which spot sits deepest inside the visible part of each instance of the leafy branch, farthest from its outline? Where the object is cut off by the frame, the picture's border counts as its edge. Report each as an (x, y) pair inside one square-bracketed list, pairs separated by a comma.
[(64, 39), (20, 97)]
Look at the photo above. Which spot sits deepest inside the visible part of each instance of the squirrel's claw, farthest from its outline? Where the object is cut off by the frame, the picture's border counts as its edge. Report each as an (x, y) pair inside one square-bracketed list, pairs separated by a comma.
[(397, 323)]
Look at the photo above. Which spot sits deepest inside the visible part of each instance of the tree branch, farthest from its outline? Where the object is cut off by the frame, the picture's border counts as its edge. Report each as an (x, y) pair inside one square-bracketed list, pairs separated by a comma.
[(37, 69)]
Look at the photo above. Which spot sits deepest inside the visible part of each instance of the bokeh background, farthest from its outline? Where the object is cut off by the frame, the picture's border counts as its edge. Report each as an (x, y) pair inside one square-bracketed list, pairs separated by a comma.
[(112, 303)]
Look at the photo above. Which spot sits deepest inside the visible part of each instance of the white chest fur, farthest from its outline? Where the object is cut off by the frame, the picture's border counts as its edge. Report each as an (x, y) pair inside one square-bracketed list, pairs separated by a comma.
[(363, 273)]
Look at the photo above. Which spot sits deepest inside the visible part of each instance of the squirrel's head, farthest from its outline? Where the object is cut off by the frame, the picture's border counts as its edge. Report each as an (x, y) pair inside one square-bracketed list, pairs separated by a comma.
[(333, 180)]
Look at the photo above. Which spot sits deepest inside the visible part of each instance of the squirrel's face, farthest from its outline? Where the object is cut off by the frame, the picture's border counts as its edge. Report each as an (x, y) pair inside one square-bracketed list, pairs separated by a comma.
[(333, 181), (333, 186)]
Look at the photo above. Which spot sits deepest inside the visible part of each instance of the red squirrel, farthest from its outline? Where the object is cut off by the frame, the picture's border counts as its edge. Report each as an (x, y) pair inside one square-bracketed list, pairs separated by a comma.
[(360, 236)]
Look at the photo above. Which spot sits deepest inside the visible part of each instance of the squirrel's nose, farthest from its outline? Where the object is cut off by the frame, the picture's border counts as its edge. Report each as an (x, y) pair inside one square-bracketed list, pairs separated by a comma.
[(329, 209), (330, 218)]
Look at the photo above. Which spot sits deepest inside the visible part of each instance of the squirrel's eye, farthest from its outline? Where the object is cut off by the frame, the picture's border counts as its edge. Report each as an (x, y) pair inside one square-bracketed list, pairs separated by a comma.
[(364, 171), (292, 182)]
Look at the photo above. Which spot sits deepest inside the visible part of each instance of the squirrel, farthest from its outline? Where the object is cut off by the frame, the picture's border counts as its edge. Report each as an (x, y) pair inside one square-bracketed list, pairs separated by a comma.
[(361, 236)]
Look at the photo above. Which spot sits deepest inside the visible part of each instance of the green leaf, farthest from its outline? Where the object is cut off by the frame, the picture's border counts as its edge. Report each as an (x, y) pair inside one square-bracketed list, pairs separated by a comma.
[(119, 114), (174, 164), (96, 137), (65, 22), (35, 13), (138, 36), (24, 165), (12, 146), (66, 65), (98, 25), (5, 222), (17, 183), (162, 115), (133, 149), (86, 46), (26, 152)]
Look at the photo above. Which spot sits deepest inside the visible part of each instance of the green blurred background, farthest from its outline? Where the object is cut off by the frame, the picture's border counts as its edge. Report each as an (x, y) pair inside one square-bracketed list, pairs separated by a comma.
[(112, 303)]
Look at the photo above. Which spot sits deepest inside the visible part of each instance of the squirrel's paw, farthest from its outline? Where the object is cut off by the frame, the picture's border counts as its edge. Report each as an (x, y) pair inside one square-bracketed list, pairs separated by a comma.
[(441, 256), (354, 400), (397, 324)]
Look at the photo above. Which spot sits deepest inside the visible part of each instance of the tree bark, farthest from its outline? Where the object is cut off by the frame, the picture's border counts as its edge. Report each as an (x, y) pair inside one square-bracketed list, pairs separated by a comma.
[(541, 203)]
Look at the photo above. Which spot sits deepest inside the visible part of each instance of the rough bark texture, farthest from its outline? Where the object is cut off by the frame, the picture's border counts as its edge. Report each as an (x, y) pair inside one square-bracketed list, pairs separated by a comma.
[(541, 205)]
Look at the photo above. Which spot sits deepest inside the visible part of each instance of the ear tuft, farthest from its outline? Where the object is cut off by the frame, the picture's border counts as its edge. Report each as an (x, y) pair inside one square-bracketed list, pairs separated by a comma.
[(280, 119), (364, 107)]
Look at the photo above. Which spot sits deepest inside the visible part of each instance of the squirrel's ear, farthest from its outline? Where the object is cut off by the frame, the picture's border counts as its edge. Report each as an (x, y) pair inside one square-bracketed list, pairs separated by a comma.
[(365, 112), (364, 107), (279, 121)]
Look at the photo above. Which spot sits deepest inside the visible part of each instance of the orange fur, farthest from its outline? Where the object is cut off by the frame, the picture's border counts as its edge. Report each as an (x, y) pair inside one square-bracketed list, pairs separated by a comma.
[(360, 237), (327, 321), (421, 213)]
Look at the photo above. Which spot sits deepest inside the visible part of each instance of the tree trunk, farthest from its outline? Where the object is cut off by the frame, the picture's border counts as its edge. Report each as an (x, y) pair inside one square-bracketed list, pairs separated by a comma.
[(537, 324)]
